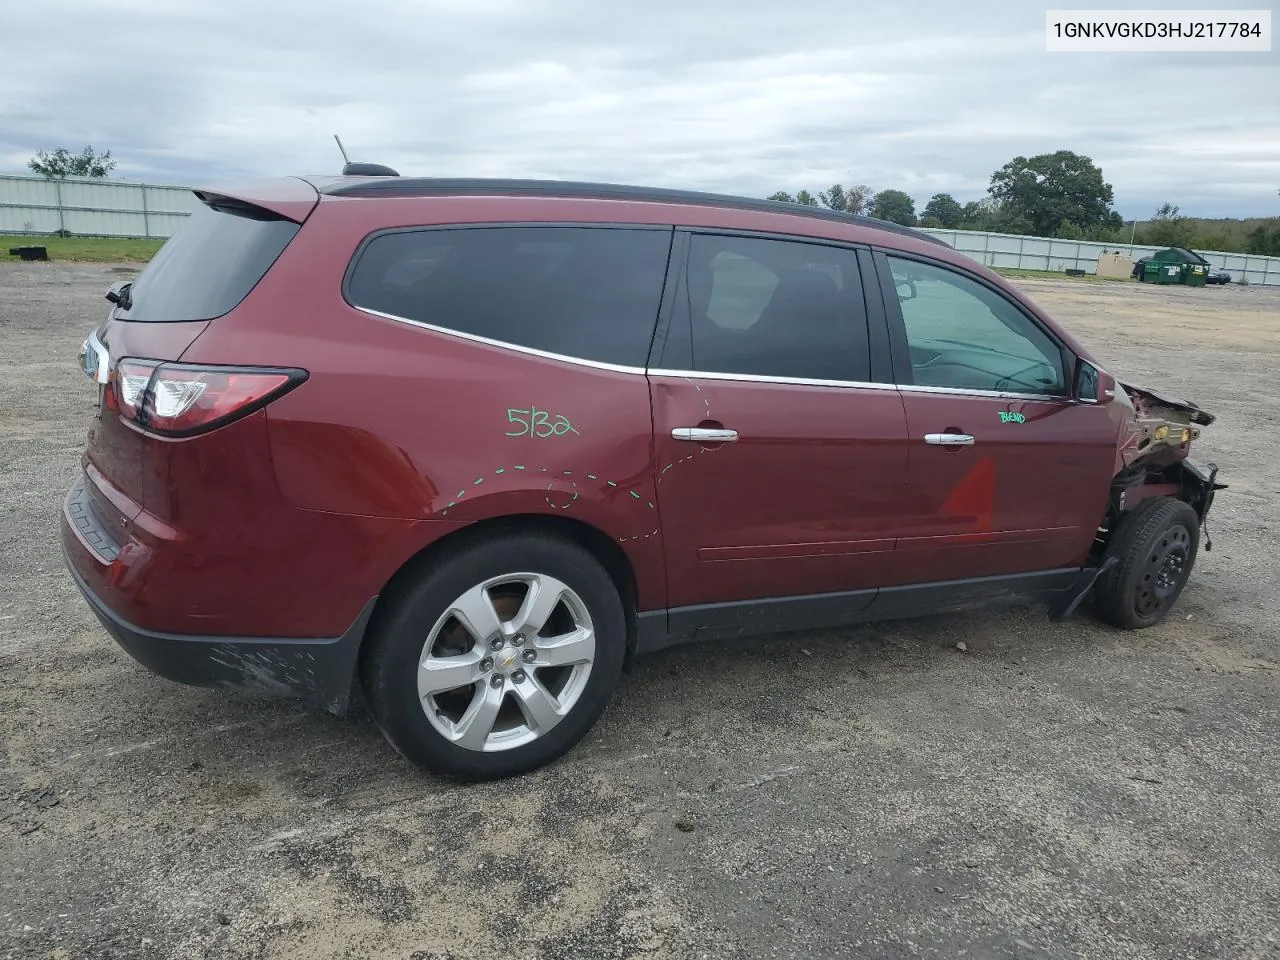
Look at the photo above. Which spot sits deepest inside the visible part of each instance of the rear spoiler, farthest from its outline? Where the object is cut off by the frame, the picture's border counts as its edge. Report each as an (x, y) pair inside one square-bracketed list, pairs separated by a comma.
[(289, 197)]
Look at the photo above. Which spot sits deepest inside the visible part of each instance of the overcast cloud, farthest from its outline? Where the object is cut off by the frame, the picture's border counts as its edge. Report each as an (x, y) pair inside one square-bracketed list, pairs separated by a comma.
[(731, 95)]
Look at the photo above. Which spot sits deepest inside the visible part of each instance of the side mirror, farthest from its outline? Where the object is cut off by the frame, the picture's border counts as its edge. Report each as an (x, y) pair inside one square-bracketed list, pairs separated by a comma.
[(906, 289), (1093, 385)]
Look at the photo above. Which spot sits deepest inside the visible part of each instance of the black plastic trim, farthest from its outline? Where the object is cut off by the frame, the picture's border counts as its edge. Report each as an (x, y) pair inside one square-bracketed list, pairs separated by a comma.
[(79, 510), (877, 319), (672, 285), (318, 670), (659, 629), (466, 187)]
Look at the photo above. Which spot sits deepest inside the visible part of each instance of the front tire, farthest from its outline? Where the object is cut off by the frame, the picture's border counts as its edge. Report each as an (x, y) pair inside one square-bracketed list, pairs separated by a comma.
[(1156, 546), (498, 658)]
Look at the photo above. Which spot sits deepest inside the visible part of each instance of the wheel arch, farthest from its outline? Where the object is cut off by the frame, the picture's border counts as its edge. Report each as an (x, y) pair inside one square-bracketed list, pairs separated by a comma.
[(591, 538)]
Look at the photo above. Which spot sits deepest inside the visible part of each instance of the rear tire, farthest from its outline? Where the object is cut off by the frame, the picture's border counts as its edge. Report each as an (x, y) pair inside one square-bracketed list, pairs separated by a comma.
[(533, 629), (1156, 546)]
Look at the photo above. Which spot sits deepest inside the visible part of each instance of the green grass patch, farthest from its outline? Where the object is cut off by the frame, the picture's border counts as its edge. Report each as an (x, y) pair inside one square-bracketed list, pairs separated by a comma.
[(1013, 272), (88, 249)]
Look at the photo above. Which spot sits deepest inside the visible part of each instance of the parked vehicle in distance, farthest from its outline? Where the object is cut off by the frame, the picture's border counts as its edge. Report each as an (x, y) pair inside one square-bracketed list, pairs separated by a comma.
[(469, 446), (1181, 255)]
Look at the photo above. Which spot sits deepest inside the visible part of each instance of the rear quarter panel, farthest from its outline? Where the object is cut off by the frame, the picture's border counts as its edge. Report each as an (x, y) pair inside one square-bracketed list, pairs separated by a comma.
[(398, 421)]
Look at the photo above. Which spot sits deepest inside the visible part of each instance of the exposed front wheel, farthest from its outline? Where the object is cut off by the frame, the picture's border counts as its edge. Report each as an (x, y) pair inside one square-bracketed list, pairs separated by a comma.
[(499, 659), (1156, 547)]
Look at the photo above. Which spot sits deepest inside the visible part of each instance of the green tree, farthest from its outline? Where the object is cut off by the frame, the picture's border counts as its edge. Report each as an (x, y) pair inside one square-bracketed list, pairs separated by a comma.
[(806, 199), (835, 198), (1048, 190), (1168, 228), (857, 198), (976, 214), (894, 206), (63, 163), (782, 197), (945, 210), (1265, 240)]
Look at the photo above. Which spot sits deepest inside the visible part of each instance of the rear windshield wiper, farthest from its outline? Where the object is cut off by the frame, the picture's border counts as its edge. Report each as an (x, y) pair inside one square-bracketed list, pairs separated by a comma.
[(120, 293)]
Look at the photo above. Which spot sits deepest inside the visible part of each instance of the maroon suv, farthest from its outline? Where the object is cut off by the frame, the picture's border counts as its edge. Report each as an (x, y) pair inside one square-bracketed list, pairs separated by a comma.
[(473, 444)]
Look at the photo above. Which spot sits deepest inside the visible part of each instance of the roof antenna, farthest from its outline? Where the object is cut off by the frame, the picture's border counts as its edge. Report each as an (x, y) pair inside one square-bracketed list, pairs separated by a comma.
[(350, 169)]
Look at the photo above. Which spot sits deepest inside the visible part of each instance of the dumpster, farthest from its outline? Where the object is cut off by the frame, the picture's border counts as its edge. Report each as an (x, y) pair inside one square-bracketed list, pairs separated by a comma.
[(1155, 271), (1194, 274)]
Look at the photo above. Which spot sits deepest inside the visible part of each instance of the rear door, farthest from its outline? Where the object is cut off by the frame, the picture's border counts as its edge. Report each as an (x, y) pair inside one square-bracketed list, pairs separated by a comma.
[(1006, 472), (780, 462)]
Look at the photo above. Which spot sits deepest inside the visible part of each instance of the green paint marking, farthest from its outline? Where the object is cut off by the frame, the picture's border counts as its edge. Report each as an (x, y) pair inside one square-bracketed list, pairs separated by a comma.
[(518, 467), (611, 483), (592, 476), (501, 470), (539, 424), (636, 495), (650, 504), (460, 494), (1007, 417), (479, 480)]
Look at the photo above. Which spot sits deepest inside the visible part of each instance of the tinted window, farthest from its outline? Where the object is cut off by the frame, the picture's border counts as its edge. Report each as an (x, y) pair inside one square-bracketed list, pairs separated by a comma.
[(210, 264), (964, 335), (581, 291), (775, 308)]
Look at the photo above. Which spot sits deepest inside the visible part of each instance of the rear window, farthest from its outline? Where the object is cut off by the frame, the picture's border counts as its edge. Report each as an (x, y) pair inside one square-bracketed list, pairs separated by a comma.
[(588, 292), (210, 264)]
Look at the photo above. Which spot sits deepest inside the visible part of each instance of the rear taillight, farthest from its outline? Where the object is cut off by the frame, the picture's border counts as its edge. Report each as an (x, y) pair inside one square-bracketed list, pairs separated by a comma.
[(183, 399)]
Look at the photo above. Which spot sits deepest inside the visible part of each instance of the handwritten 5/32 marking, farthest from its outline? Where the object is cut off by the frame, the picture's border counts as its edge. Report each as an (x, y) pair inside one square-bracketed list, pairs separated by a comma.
[(537, 423)]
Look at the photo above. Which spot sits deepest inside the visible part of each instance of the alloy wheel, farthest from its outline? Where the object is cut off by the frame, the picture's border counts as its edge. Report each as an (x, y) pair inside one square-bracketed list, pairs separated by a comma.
[(506, 661)]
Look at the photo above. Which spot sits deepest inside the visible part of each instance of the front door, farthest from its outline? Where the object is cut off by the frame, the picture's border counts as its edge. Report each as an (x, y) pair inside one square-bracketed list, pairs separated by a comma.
[(780, 467), (1006, 473)]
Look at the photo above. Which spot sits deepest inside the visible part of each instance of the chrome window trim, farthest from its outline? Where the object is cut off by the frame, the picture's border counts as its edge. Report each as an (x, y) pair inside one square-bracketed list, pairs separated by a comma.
[(702, 374), (758, 378), (530, 351), (996, 394)]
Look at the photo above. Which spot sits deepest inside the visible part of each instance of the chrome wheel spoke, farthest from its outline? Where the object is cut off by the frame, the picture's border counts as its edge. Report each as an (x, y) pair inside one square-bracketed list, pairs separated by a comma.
[(481, 676), (474, 610), (475, 725), (541, 710), (438, 674), (572, 648), (545, 594)]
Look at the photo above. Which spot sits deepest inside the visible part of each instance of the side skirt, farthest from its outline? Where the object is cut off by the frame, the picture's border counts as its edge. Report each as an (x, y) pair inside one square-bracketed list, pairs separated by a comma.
[(659, 629)]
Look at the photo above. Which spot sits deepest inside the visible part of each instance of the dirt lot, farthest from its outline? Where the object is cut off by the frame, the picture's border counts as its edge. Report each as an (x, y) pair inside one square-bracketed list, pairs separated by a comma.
[(1057, 791)]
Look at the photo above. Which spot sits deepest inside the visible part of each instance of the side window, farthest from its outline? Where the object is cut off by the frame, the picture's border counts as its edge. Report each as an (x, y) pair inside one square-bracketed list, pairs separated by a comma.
[(775, 308), (962, 334), (588, 292)]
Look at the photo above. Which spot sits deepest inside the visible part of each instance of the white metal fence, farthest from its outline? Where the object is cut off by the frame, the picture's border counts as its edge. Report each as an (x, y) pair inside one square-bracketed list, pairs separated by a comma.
[(115, 208), (1037, 253), (92, 207)]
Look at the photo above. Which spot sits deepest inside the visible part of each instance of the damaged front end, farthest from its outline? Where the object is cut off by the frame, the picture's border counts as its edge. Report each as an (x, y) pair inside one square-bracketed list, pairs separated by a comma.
[(1152, 454)]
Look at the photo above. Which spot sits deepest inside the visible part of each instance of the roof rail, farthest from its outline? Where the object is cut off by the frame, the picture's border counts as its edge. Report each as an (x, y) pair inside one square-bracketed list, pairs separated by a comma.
[(463, 186)]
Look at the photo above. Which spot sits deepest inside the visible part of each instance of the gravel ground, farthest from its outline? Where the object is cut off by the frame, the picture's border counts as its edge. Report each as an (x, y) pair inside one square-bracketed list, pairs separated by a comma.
[(1058, 790)]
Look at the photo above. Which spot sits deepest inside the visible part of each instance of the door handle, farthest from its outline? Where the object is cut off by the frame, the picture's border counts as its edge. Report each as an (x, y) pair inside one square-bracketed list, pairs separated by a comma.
[(949, 439), (704, 435)]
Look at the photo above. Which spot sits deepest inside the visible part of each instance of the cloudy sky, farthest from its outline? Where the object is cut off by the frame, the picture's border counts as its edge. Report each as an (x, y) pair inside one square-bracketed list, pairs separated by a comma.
[(740, 96)]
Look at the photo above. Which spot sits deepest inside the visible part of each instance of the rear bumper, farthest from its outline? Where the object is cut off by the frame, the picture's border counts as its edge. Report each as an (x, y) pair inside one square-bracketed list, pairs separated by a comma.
[(320, 671)]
